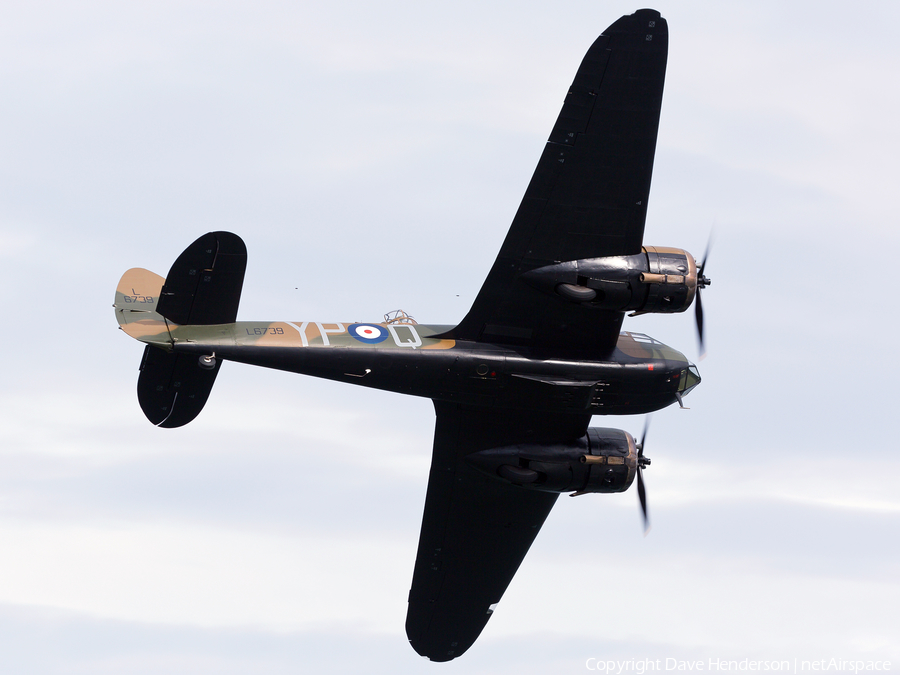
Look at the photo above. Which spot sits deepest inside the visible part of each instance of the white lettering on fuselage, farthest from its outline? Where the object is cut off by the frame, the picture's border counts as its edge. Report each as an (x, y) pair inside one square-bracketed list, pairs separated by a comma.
[(411, 340), (414, 342), (302, 330), (324, 331)]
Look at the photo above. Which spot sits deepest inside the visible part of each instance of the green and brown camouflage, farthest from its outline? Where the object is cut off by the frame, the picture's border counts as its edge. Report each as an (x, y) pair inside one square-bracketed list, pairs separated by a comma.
[(137, 297)]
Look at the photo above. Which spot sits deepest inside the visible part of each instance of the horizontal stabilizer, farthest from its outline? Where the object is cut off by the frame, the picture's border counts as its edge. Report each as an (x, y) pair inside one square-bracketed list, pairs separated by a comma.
[(172, 388), (203, 288), (204, 285)]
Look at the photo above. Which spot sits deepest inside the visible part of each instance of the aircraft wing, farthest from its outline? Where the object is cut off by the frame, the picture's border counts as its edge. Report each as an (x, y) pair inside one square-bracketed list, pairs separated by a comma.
[(476, 529), (588, 195)]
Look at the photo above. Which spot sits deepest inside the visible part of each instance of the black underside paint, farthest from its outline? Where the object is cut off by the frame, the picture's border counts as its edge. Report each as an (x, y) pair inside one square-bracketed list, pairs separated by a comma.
[(530, 365)]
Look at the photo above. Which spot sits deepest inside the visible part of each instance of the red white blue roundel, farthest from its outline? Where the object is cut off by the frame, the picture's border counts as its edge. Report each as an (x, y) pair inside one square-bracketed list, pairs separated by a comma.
[(368, 332)]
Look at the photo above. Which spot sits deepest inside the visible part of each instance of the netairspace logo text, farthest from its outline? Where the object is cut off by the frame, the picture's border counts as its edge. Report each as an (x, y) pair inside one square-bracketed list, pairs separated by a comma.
[(795, 666)]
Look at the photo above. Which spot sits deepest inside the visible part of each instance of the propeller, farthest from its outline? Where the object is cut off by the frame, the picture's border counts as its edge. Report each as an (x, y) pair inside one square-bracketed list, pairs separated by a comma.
[(702, 282), (641, 490)]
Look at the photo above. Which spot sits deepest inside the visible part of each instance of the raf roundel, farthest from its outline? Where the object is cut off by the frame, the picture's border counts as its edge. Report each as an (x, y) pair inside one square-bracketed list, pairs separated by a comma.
[(368, 332)]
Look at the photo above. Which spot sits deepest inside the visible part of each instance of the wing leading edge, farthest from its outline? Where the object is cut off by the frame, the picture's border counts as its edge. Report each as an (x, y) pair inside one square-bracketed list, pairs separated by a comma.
[(587, 199), (588, 196), (476, 530)]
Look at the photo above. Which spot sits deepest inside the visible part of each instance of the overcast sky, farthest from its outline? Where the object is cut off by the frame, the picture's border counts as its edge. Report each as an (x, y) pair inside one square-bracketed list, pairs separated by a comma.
[(371, 156)]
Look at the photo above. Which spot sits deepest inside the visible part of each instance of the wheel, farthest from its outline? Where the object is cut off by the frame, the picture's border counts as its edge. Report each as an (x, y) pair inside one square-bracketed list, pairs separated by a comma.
[(207, 362)]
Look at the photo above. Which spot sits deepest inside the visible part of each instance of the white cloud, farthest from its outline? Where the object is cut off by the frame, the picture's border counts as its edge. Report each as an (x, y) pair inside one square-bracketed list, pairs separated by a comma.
[(176, 574), (341, 138)]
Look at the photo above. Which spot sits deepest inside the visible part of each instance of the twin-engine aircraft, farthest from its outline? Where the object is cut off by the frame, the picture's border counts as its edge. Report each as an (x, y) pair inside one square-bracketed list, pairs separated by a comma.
[(515, 384)]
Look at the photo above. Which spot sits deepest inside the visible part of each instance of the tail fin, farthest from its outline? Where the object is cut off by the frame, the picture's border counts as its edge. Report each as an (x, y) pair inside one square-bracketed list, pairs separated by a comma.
[(203, 288), (137, 300)]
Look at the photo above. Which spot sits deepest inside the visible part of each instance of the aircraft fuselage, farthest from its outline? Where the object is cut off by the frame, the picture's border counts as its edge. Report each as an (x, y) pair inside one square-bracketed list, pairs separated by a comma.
[(641, 375)]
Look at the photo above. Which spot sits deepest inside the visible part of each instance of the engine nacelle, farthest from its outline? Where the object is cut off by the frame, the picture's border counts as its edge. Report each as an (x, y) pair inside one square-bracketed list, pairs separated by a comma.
[(603, 460), (658, 280)]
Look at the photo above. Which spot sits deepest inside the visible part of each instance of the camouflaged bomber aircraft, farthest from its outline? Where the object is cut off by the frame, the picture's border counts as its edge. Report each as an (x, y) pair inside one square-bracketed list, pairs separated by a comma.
[(516, 383)]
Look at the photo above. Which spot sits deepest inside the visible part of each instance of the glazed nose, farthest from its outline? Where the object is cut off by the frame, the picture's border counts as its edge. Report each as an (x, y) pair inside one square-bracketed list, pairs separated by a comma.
[(691, 378)]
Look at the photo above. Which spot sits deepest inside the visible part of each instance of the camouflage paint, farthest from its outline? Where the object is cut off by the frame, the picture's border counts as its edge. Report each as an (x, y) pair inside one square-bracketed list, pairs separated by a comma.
[(137, 296)]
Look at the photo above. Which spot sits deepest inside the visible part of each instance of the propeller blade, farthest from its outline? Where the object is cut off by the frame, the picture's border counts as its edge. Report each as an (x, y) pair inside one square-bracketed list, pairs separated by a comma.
[(641, 462), (698, 313), (642, 496), (702, 282), (709, 243), (644, 435)]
